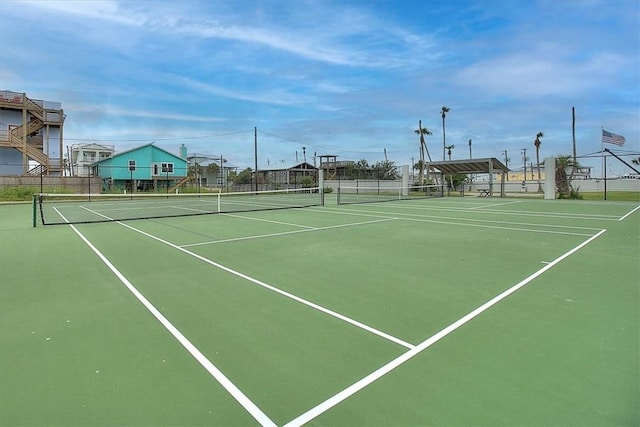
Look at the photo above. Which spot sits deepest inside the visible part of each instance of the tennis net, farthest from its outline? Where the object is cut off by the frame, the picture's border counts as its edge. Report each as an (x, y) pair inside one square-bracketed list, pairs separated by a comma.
[(351, 195), (88, 208)]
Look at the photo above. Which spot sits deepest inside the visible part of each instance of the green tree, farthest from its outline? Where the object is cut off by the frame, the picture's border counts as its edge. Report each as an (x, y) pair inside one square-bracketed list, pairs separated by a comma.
[(563, 183), (213, 168), (449, 148), (244, 177), (386, 169), (349, 170), (457, 179), (361, 168), (537, 144), (307, 182), (423, 147)]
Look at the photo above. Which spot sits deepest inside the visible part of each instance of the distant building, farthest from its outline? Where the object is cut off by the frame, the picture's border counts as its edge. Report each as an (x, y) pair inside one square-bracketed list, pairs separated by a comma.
[(30, 133), (582, 172), (334, 168), (144, 168), (209, 171), (289, 176), (83, 156)]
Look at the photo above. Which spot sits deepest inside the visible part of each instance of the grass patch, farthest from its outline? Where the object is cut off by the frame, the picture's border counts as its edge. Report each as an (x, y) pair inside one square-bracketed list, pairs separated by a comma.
[(18, 194), (627, 196), (15, 194)]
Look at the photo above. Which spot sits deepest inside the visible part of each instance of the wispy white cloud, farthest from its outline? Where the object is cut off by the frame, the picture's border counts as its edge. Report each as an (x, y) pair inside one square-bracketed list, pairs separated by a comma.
[(527, 75), (344, 76), (102, 110)]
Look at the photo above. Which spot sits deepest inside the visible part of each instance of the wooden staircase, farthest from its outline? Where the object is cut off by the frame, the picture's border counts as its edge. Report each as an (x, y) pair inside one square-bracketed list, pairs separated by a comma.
[(180, 183), (19, 134)]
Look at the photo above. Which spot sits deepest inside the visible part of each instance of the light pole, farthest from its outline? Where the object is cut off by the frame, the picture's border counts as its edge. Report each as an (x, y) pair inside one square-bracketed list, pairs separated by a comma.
[(506, 161)]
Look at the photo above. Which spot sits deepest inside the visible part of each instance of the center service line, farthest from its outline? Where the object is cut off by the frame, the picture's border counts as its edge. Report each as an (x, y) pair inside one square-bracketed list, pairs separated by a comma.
[(377, 374), (289, 295)]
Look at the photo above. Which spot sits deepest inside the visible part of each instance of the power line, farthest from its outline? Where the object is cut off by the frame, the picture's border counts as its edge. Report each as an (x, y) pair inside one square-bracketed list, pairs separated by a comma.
[(157, 139)]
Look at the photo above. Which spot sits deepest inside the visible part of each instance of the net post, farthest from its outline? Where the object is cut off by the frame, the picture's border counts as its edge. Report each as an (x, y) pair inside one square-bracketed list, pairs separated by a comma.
[(35, 210), (219, 208)]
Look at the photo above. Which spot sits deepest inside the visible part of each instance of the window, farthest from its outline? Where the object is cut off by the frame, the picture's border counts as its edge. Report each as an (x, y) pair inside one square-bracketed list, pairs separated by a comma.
[(167, 167), (132, 165)]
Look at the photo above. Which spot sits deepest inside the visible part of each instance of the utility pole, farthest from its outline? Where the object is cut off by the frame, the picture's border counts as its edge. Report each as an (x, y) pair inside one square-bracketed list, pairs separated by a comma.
[(470, 156), (255, 156), (385, 155), (524, 162), (506, 161)]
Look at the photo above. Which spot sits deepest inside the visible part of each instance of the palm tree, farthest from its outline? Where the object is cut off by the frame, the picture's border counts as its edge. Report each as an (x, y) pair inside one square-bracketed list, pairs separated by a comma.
[(563, 184), (423, 146), (449, 148), (537, 143), (444, 111)]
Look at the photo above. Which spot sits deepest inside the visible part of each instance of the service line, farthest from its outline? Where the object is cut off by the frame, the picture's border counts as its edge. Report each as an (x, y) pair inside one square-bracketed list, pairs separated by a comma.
[(629, 213), (379, 373)]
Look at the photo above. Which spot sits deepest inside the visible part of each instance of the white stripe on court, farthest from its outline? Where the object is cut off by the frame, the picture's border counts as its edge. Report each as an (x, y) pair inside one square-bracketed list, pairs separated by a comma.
[(468, 222), (284, 233), (277, 290), (235, 392), (496, 212), (273, 288), (629, 213), (494, 204), (379, 373), (267, 220)]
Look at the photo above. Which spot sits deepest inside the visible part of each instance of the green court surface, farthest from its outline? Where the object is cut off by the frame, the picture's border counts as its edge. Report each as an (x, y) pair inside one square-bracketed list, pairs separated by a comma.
[(447, 311)]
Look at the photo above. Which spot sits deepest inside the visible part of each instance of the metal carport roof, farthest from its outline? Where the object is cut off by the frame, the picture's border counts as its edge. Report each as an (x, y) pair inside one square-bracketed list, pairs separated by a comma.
[(489, 165), (486, 165)]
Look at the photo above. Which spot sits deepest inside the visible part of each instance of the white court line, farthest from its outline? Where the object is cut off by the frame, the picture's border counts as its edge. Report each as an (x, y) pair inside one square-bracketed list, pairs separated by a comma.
[(268, 220), (274, 289), (629, 213), (277, 290), (284, 233), (466, 222), (379, 373), (402, 215), (595, 217), (235, 392), (495, 204)]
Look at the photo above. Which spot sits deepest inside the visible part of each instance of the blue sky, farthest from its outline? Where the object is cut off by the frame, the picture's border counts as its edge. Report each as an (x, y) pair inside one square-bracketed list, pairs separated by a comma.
[(345, 78)]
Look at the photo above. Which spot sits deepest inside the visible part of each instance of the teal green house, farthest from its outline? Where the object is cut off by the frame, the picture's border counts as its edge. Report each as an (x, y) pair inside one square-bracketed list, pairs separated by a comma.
[(144, 168)]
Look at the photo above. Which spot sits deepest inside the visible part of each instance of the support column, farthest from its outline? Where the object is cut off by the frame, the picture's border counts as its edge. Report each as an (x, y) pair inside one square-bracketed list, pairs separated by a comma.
[(405, 180), (549, 178)]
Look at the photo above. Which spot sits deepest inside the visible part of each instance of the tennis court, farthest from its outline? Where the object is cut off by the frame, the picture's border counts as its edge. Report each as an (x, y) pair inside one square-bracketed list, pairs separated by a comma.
[(430, 311)]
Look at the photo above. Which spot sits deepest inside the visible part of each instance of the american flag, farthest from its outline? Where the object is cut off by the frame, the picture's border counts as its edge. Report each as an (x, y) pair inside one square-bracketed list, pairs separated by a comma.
[(612, 138)]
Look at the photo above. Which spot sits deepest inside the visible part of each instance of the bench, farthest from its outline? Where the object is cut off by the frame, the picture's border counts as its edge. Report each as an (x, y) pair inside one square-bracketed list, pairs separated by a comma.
[(484, 192)]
